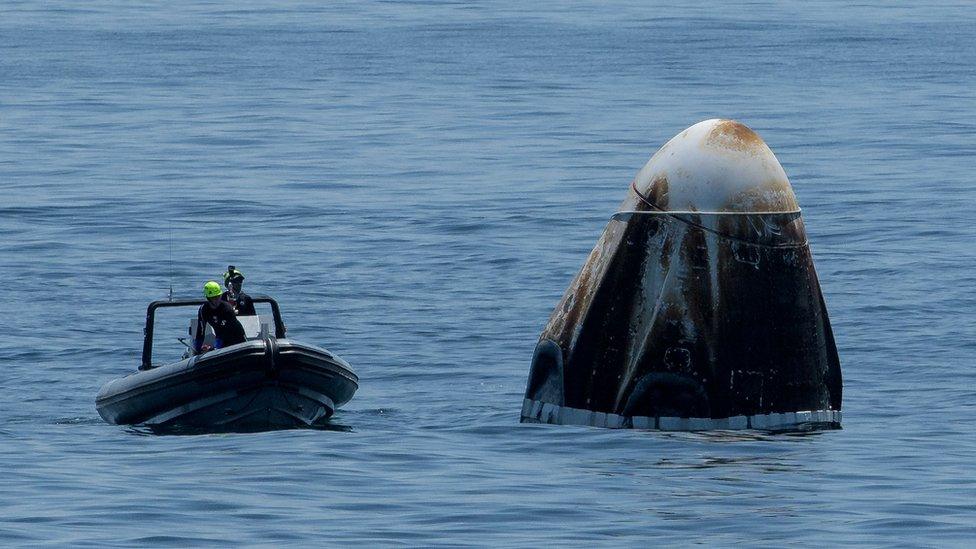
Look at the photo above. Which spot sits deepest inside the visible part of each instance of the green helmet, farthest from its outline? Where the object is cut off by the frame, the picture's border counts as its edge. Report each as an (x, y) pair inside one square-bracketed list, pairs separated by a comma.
[(233, 275), (212, 289)]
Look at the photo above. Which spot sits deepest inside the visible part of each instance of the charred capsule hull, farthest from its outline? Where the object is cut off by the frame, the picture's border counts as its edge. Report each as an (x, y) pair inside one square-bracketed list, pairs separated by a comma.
[(255, 385), (699, 307)]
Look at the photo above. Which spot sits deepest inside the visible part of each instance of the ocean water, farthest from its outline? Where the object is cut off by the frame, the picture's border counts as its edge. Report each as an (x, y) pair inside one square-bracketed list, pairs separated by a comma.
[(417, 183)]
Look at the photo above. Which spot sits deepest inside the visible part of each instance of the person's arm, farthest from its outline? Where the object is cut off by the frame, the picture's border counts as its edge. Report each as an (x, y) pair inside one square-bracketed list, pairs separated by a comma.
[(234, 330), (201, 331), (198, 345)]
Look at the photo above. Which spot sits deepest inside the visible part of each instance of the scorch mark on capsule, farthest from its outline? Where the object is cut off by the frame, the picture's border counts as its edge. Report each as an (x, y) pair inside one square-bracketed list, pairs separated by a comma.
[(729, 134)]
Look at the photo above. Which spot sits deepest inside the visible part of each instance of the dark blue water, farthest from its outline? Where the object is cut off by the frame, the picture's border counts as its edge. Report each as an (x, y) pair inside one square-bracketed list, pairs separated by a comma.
[(417, 183)]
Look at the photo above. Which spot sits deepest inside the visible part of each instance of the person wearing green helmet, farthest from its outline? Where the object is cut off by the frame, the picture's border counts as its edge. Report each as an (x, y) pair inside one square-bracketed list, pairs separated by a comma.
[(234, 281), (221, 317)]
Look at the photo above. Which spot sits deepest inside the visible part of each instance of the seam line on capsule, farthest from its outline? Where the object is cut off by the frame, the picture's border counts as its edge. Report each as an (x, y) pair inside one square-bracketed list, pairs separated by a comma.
[(693, 212), (617, 217)]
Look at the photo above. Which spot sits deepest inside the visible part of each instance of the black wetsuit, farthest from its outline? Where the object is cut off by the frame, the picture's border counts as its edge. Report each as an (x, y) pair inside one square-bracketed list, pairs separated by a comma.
[(224, 322), (241, 302)]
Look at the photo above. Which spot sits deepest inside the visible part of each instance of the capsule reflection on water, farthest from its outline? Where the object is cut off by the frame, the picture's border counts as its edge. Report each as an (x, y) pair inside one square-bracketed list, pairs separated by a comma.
[(699, 307)]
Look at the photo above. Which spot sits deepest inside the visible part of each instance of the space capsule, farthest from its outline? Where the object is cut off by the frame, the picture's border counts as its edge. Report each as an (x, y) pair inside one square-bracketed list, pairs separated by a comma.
[(699, 308)]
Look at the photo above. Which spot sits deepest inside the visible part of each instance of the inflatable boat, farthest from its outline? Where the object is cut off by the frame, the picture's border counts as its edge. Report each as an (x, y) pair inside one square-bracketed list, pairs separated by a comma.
[(267, 382)]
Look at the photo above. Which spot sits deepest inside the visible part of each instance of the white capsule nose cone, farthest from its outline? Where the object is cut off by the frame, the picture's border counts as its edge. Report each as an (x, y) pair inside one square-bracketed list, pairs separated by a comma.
[(716, 166)]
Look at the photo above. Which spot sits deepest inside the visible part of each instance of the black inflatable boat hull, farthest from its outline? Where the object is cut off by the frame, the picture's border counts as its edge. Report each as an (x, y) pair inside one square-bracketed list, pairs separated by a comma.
[(255, 385)]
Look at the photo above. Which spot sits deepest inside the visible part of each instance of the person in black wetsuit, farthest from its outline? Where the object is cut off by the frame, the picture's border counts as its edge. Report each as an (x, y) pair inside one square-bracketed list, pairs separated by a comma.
[(221, 317), (233, 281)]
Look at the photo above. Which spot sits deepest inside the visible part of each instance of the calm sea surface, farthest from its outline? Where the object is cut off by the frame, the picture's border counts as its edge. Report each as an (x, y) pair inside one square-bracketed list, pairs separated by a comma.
[(417, 183)]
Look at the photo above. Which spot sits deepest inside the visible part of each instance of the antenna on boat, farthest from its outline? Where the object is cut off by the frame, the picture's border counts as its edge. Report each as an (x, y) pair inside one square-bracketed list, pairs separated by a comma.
[(170, 260)]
